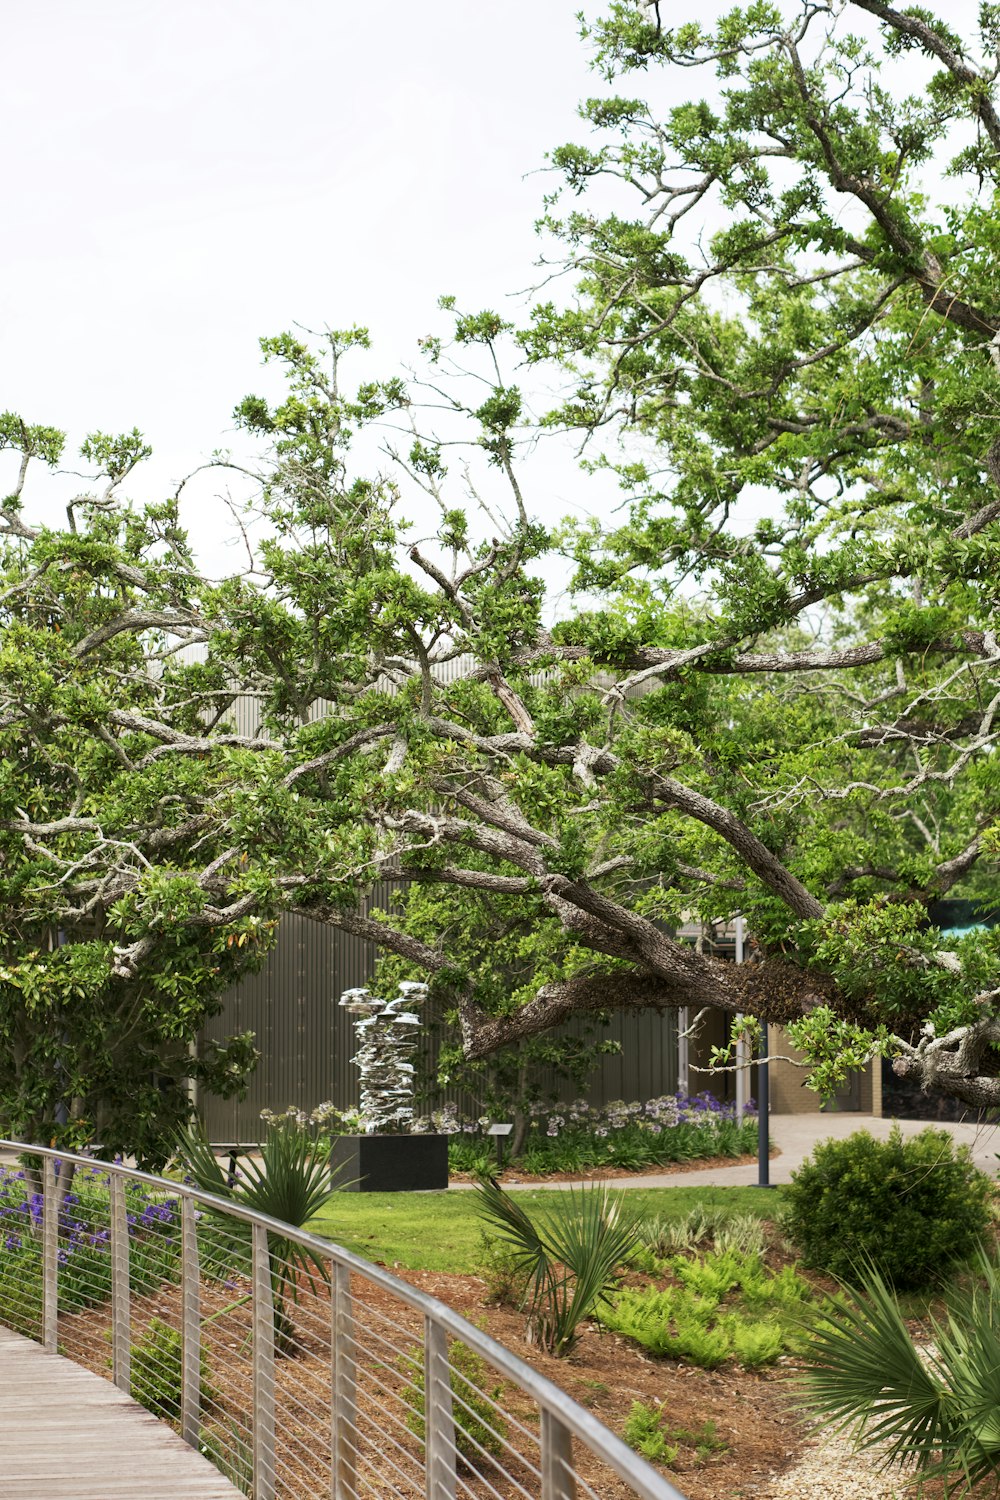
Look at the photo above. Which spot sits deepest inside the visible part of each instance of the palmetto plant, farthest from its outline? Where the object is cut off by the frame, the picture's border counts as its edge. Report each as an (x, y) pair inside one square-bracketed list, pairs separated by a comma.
[(936, 1409), (290, 1181), (569, 1256)]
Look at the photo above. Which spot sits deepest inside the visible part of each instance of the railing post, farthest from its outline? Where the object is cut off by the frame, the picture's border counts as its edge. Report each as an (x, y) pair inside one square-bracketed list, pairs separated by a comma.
[(121, 1336), (264, 1467), (50, 1257), (558, 1479), (344, 1427), (439, 1422), (190, 1326)]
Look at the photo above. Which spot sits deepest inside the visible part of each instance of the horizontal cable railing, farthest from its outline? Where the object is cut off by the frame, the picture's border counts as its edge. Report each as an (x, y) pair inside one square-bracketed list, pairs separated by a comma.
[(298, 1368)]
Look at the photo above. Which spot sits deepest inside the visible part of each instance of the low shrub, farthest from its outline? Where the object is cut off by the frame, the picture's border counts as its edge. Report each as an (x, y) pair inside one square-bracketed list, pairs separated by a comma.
[(743, 1233), (577, 1137), (502, 1272), (479, 1426), (912, 1207), (85, 1238), (661, 1237), (157, 1370), (580, 1137), (21, 1296)]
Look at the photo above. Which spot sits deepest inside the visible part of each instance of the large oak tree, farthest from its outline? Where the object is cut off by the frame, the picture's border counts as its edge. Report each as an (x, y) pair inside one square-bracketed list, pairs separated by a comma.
[(777, 323)]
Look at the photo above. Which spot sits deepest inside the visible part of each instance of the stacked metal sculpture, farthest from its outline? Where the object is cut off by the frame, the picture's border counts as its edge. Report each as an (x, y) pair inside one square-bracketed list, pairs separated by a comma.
[(387, 1032)]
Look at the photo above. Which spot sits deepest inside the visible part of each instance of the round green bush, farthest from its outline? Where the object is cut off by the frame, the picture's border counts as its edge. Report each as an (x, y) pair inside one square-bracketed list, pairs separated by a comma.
[(910, 1206)]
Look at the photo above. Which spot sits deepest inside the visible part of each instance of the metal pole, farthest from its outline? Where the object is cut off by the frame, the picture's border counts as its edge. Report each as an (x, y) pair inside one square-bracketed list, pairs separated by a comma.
[(264, 1436), (50, 1258), (121, 1336), (742, 1053), (344, 1407), (683, 1050), (558, 1474), (190, 1326), (763, 1114), (441, 1454)]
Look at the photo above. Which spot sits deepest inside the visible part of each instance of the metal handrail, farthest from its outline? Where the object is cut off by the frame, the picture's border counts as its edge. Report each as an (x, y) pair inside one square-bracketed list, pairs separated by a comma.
[(561, 1418)]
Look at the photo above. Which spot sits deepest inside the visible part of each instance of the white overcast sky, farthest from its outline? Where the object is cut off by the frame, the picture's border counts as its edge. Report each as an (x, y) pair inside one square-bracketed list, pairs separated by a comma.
[(184, 177)]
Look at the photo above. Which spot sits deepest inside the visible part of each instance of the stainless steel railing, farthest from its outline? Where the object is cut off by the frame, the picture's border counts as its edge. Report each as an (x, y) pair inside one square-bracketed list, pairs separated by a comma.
[(299, 1368)]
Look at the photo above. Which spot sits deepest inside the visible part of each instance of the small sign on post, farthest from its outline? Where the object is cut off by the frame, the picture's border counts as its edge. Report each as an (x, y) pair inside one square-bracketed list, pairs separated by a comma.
[(499, 1131)]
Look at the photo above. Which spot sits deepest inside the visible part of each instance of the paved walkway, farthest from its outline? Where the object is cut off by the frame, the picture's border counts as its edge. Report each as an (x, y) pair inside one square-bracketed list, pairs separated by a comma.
[(795, 1136), (66, 1434)]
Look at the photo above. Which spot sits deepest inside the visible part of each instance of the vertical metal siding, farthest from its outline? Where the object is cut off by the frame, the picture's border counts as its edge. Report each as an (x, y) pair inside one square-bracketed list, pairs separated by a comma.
[(306, 1040)]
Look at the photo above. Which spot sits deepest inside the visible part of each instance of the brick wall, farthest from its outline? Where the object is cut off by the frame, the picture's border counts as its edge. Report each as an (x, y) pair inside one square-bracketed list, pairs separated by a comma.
[(789, 1096)]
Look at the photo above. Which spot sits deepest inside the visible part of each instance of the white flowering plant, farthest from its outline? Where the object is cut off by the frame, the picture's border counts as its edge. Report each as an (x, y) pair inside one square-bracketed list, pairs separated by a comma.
[(629, 1136)]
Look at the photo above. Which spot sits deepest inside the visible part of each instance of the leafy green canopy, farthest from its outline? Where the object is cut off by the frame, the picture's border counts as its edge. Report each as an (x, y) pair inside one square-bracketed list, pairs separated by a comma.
[(776, 692), (98, 822)]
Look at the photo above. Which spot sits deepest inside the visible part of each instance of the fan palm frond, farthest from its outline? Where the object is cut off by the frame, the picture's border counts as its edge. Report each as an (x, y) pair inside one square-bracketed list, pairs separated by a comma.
[(570, 1255), (935, 1409)]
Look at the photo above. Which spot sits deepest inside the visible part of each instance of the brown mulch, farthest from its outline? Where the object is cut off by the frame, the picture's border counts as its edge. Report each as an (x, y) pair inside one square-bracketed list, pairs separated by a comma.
[(604, 1373)]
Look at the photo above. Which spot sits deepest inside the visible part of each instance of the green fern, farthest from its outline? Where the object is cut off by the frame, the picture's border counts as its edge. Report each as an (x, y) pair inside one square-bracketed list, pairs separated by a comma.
[(644, 1432), (755, 1343)]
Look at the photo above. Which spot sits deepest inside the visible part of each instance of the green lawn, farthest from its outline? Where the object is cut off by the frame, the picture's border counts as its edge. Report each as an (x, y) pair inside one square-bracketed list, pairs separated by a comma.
[(440, 1231)]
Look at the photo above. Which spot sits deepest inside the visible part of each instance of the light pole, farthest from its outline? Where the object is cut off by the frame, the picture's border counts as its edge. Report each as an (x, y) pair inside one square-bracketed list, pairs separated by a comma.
[(763, 1114), (742, 1052), (763, 1083)]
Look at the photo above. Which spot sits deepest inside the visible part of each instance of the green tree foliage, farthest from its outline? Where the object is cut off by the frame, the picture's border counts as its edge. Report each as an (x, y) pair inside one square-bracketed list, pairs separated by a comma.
[(774, 691), (99, 819)]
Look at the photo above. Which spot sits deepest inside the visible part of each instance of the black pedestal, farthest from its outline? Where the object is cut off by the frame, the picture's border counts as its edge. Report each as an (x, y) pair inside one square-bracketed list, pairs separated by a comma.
[(390, 1163)]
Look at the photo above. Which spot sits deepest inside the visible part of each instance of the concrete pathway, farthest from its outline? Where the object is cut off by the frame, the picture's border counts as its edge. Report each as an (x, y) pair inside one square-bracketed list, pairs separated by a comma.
[(66, 1434), (795, 1136)]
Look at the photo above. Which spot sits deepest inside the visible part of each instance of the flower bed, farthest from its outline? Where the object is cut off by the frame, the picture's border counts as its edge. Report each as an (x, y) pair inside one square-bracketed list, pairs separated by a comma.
[(634, 1137), (84, 1243)]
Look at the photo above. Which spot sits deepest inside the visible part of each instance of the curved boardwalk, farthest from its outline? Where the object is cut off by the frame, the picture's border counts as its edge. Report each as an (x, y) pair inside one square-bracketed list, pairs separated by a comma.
[(66, 1434)]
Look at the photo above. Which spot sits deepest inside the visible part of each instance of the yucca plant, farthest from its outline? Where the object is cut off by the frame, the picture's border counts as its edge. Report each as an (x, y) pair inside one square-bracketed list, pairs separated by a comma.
[(569, 1257), (936, 1409), (291, 1181)]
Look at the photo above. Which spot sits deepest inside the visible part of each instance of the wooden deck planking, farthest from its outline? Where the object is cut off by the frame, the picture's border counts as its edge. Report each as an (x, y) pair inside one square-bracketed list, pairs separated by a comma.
[(66, 1434)]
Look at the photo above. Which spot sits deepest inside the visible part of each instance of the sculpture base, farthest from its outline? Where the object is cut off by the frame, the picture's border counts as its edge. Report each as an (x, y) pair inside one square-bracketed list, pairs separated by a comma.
[(391, 1163)]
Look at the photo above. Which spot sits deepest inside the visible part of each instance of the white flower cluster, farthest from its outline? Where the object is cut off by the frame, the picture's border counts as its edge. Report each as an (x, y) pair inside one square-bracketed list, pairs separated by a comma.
[(289, 1116), (387, 1032), (442, 1122)]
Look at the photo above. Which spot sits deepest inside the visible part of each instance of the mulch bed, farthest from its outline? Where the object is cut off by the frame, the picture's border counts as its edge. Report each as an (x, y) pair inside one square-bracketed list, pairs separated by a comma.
[(604, 1373)]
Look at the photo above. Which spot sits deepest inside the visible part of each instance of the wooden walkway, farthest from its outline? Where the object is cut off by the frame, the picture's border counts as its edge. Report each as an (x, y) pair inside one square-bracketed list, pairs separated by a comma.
[(66, 1434)]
